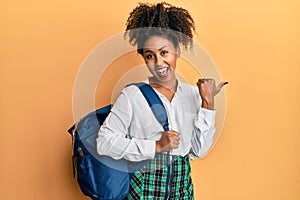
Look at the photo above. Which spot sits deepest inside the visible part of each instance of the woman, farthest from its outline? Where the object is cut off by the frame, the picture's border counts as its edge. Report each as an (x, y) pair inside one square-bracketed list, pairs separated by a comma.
[(159, 31)]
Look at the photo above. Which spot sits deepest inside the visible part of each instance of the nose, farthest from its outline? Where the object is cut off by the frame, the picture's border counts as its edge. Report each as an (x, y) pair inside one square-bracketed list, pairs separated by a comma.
[(159, 59)]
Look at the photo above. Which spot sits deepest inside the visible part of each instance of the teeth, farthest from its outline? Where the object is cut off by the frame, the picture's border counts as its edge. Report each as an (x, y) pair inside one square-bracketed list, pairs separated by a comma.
[(162, 70)]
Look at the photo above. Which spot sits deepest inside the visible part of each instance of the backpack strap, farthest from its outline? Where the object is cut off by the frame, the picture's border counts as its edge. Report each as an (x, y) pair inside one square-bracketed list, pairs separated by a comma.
[(159, 112), (155, 104)]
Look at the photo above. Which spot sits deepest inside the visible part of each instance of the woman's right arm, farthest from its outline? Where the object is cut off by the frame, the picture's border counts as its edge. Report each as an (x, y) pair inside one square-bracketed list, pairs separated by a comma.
[(112, 137)]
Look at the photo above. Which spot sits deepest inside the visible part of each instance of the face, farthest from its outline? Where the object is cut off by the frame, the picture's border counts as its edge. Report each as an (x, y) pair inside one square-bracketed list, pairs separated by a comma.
[(160, 56)]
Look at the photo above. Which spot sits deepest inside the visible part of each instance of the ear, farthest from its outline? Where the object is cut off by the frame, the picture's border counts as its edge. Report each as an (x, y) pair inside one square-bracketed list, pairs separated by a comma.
[(178, 52)]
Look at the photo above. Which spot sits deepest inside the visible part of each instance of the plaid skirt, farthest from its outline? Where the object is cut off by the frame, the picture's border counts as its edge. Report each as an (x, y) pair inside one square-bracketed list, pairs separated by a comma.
[(151, 182)]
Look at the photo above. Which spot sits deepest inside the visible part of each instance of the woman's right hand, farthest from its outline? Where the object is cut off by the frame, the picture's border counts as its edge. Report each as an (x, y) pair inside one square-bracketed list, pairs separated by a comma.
[(168, 141)]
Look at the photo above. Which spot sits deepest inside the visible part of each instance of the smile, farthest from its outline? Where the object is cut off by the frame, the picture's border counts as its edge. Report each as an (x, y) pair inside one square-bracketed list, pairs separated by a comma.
[(163, 72)]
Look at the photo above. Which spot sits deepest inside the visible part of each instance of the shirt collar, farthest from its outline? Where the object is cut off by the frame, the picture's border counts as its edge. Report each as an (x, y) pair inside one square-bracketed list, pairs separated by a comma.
[(179, 83)]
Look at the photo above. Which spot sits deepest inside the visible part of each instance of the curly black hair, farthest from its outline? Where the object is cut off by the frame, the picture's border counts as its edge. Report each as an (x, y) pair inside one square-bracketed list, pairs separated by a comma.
[(162, 19)]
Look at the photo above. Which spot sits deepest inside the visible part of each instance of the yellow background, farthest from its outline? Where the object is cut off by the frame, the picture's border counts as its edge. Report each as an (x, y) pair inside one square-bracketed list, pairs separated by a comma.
[(255, 45)]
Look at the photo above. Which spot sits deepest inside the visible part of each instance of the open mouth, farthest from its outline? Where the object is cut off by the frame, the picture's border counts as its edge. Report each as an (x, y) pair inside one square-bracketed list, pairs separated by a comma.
[(163, 72)]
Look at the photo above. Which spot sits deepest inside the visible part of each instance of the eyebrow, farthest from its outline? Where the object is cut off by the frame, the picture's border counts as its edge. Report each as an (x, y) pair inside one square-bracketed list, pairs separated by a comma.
[(162, 48), (158, 49)]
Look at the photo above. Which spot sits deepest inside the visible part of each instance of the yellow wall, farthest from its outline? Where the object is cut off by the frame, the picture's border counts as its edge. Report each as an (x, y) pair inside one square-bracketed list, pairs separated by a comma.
[(255, 45)]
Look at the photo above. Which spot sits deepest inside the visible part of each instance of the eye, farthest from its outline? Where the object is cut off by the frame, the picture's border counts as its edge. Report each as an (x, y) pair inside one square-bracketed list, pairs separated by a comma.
[(149, 56), (164, 53)]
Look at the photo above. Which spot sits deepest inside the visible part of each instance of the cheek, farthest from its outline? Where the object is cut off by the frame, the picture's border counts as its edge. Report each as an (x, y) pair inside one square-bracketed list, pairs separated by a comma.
[(173, 62), (150, 66)]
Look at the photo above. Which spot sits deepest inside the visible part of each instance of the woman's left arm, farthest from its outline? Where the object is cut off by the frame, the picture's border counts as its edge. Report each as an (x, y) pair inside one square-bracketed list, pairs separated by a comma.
[(204, 130)]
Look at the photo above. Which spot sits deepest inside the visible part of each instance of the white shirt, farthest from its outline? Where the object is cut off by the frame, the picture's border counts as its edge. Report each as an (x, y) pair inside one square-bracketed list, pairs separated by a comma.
[(131, 115)]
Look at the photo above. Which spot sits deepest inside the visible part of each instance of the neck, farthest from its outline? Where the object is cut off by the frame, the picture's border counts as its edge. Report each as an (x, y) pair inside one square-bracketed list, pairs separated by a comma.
[(170, 85)]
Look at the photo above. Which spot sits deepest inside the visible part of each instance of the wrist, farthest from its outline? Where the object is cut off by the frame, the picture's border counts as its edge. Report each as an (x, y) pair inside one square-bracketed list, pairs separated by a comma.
[(157, 147), (208, 104)]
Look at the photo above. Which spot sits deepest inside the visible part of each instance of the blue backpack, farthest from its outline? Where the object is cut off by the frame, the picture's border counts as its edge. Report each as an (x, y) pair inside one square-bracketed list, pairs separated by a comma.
[(101, 177)]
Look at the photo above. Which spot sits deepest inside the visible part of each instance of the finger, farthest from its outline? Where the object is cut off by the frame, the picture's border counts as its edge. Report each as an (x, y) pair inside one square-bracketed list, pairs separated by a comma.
[(174, 144), (176, 137), (201, 80), (199, 83), (173, 132), (219, 87)]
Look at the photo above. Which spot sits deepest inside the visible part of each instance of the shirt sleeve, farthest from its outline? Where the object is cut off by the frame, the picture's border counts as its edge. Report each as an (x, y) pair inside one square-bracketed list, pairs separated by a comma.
[(113, 135), (203, 133)]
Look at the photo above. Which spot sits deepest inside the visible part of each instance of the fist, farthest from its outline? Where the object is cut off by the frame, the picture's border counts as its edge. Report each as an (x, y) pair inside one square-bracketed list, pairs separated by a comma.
[(168, 141), (208, 89)]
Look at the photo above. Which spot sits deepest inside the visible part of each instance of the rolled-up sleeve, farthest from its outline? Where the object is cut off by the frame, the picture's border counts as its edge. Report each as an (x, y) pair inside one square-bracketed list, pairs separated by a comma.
[(203, 134)]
